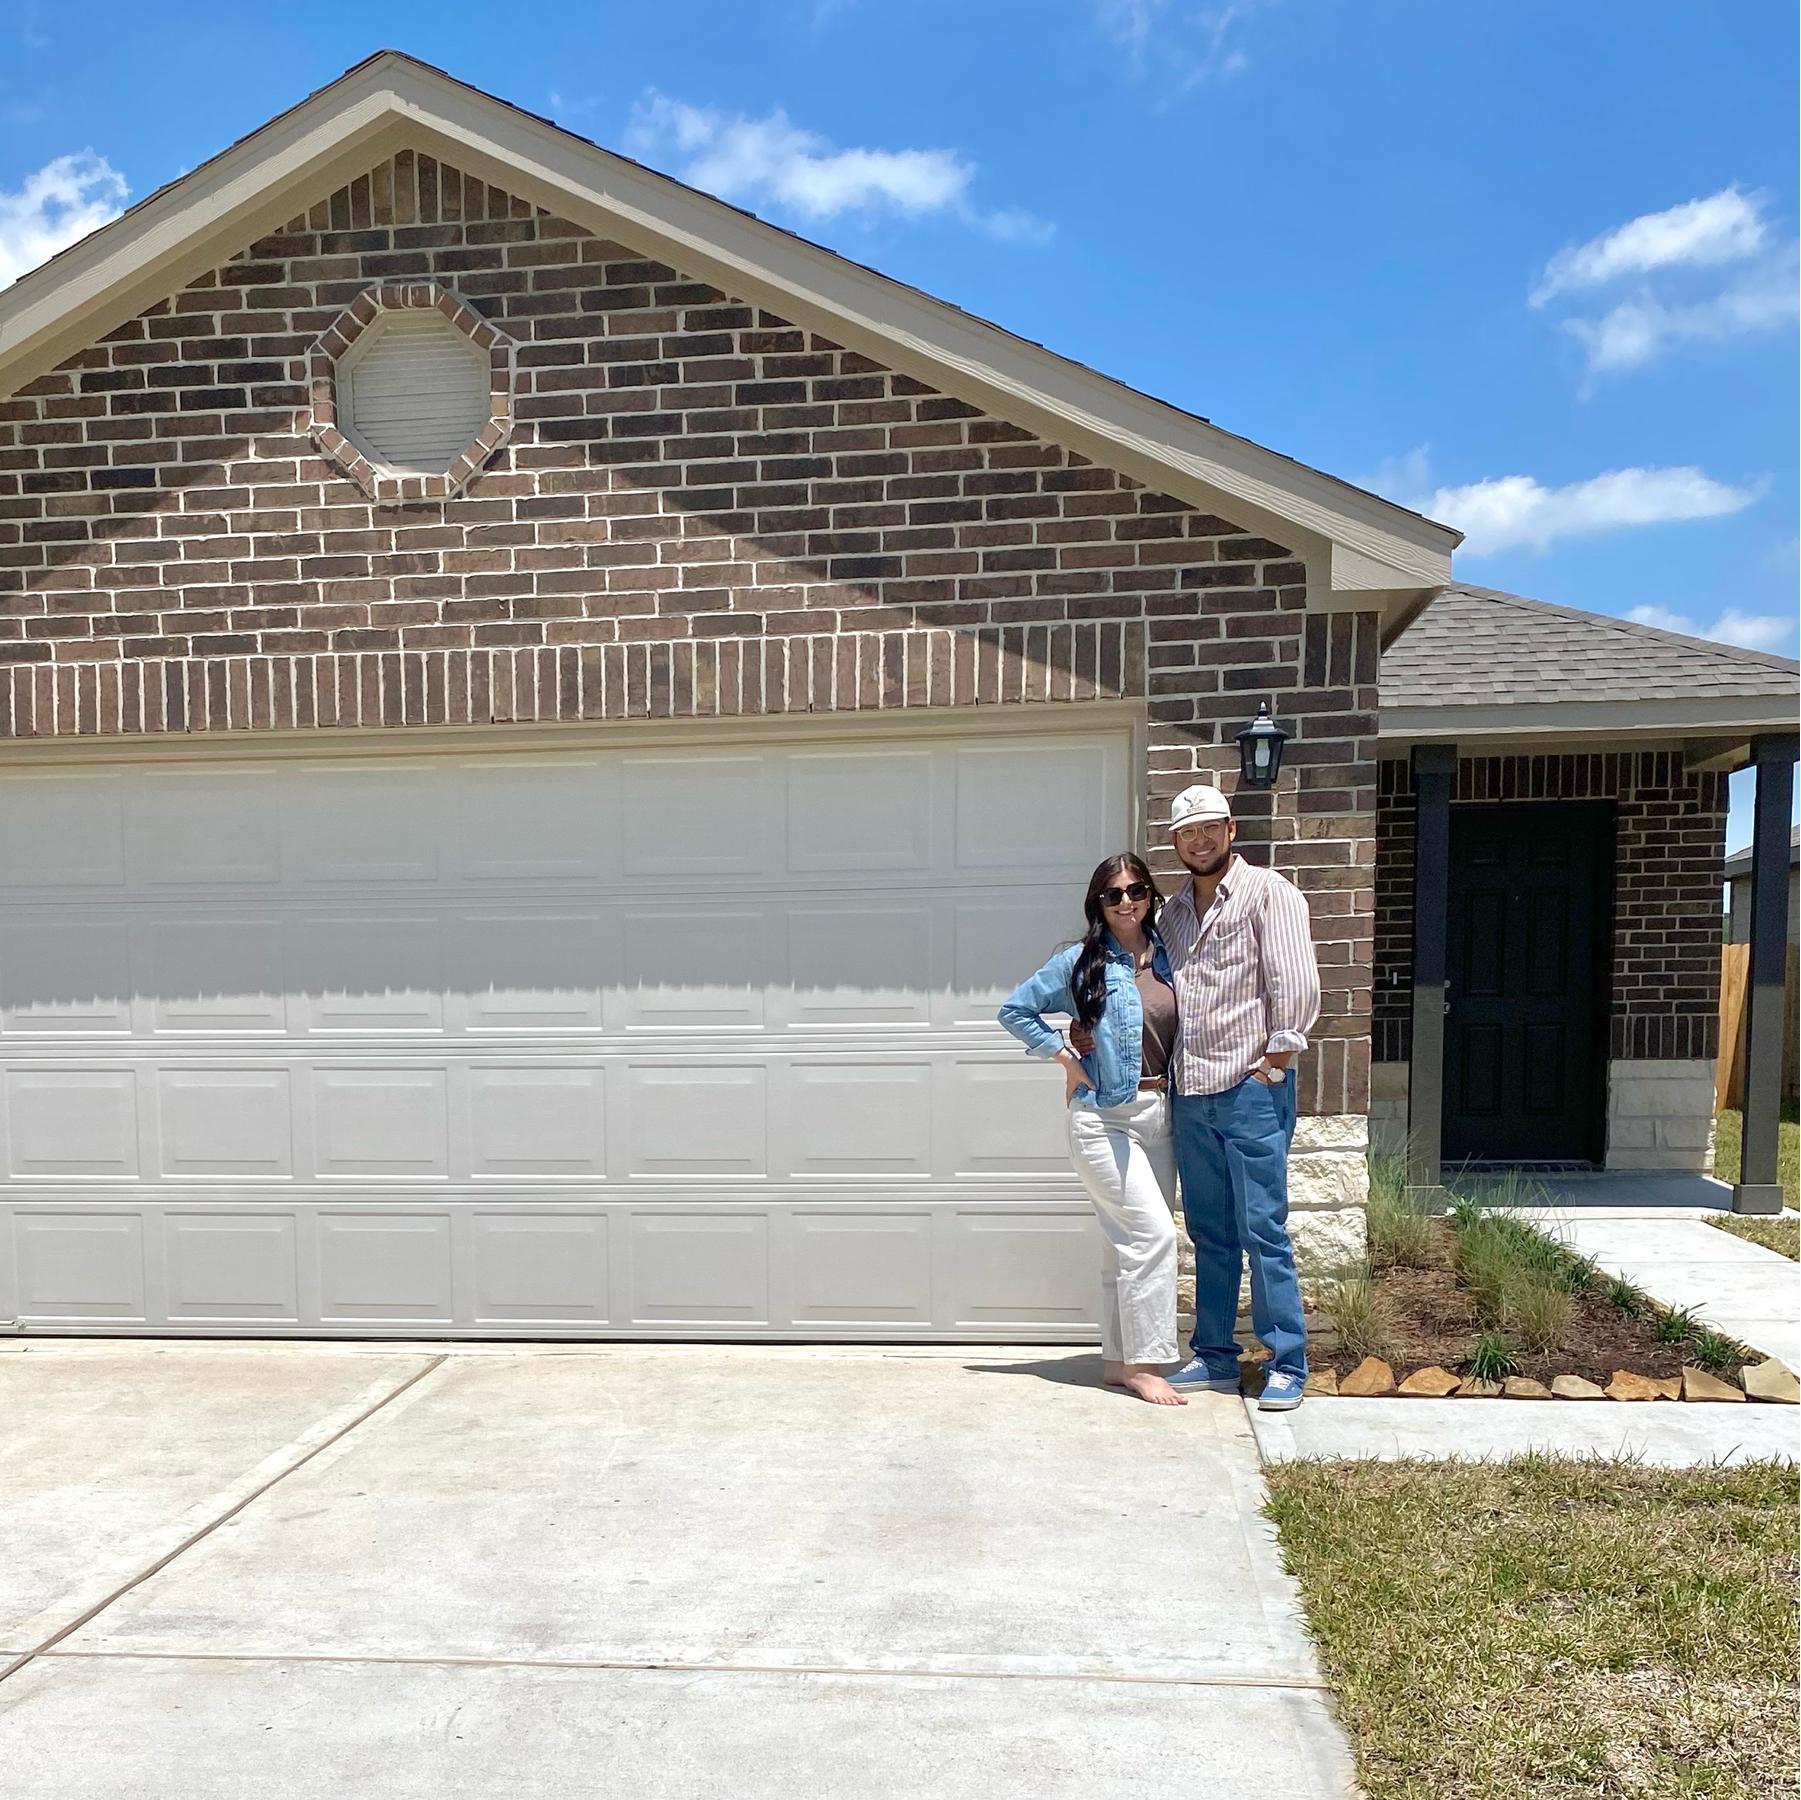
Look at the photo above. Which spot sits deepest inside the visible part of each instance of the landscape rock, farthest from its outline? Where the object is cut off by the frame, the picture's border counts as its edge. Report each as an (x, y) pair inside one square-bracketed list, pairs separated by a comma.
[(1573, 1387), (1627, 1386), (1772, 1380), (1669, 1387), (1470, 1388), (1371, 1376), (1523, 1387), (1433, 1382), (1697, 1384), (1321, 1381)]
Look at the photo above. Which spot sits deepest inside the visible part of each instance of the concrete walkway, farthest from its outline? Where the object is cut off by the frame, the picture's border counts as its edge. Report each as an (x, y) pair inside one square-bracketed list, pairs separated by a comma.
[(302, 1571)]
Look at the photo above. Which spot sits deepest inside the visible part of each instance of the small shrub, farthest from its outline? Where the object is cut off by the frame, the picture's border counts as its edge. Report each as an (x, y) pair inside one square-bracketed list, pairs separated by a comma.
[(1491, 1358), (1710, 1351), (1401, 1231), (1677, 1326), (1359, 1313), (1579, 1274), (1541, 1312), (1623, 1297)]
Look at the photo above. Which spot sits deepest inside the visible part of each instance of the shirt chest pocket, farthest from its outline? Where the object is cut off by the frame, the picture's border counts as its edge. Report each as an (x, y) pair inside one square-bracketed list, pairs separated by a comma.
[(1228, 943)]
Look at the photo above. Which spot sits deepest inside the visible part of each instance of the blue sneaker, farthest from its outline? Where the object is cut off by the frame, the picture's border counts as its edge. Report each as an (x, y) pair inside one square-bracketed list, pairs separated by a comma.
[(1281, 1393), (1195, 1377)]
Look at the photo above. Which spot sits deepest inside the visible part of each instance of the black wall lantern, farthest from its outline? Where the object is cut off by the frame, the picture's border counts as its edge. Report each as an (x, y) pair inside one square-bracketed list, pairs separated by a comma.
[(1260, 750)]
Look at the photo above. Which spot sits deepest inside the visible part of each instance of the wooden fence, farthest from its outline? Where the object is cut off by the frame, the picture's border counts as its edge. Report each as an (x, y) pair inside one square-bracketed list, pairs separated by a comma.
[(1729, 1071)]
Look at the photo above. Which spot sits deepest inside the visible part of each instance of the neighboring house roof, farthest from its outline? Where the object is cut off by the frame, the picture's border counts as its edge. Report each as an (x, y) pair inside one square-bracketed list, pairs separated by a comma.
[(1480, 664), (1355, 544), (1739, 862)]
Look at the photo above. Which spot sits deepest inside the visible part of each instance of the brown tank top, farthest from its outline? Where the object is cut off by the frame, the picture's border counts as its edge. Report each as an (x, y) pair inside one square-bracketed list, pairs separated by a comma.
[(1158, 1002)]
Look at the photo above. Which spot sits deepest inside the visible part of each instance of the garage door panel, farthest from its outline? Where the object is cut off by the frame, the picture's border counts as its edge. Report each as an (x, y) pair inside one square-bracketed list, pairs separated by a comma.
[(536, 1267), (80, 1266), (525, 971), (379, 1122), (853, 813), (213, 828), (696, 1119), (866, 1268), (63, 831), (695, 815), (65, 977), (859, 963), (226, 1268), (68, 1122), (1000, 941), (699, 1268), (537, 819), (372, 823), (680, 1041), (375, 1266), (225, 1122), (368, 972), (1018, 1266), (213, 973), (1005, 1117), (693, 966), (1039, 806), (526, 1120), (863, 1118)]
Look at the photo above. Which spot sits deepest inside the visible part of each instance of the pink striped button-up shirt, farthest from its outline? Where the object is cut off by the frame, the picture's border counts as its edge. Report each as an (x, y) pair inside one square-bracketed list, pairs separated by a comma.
[(1246, 977)]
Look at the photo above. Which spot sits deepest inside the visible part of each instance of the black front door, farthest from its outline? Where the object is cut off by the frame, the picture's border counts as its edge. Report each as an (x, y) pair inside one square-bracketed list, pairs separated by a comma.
[(1526, 1031)]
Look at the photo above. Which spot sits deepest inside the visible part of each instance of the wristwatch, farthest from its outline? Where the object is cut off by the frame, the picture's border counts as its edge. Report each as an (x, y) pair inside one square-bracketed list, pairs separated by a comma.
[(1274, 1073)]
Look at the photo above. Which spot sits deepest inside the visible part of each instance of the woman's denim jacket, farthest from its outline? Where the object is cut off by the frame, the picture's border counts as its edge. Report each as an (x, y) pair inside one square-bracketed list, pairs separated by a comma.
[(1113, 1066)]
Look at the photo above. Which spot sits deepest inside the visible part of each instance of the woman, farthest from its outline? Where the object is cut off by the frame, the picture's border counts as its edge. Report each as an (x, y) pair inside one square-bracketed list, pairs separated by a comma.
[(1116, 982)]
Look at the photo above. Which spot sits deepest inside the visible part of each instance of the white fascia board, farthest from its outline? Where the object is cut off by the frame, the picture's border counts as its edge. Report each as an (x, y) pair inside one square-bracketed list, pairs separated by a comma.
[(1623, 720), (1353, 543)]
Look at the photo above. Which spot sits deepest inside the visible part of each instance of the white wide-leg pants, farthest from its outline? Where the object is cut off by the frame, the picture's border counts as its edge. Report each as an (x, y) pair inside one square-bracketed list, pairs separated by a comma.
[(1126, 1159)]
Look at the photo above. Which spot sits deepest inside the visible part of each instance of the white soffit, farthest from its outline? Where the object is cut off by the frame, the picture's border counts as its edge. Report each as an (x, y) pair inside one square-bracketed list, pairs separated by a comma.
[(1360, 550)]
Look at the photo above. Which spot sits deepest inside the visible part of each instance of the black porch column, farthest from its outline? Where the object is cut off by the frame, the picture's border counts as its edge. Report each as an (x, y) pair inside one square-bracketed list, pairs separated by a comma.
[(1758, 1190), (1434, 771)]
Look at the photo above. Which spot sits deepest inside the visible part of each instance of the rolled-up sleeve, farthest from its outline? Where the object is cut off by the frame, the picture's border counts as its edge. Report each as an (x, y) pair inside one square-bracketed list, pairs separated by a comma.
[(1290, 968), (1023, 1010)]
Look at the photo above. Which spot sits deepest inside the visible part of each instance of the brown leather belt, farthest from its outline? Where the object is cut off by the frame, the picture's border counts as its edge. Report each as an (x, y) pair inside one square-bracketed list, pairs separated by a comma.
[(1153, 1081)]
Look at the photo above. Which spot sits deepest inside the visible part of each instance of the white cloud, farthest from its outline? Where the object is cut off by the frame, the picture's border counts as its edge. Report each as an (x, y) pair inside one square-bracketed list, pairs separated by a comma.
[(50, 209), (1637, 330), (1181, 45), (1725, 227), (772, 161), (1750, 631), (1680, 258), (1509, 512)]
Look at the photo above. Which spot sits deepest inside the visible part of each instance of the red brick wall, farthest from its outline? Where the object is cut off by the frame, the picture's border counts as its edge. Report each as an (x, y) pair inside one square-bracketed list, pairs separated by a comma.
[(1669, 846), (702, 510)]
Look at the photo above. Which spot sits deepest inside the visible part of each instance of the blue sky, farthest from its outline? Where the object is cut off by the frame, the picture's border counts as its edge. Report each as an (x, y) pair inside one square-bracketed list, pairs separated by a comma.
[(1529, 265)]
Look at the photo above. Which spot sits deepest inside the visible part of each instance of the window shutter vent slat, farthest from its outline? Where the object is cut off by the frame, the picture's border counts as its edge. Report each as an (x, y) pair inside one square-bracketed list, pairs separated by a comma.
[(417, 394)]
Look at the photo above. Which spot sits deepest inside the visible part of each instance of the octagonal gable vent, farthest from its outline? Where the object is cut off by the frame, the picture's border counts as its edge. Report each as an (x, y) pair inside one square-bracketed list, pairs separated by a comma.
[(414, 392)]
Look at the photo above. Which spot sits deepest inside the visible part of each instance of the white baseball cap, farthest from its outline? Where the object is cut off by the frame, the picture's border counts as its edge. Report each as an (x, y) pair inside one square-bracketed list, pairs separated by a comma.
[(1195, 805)]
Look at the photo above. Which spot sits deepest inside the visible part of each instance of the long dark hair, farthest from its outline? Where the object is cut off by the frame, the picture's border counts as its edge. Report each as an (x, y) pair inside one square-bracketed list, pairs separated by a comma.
[(1088, 980)]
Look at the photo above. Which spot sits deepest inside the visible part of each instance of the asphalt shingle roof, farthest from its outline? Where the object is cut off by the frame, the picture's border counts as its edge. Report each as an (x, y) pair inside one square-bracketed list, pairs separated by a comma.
[(1479, 647), (1739, 862)]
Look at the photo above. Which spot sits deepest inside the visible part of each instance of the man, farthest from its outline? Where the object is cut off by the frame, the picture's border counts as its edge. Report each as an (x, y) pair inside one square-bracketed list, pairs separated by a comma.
[(1247, 993)]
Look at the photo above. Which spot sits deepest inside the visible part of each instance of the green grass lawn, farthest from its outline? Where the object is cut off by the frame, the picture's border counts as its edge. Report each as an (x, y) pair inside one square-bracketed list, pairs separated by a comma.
[(1781, 1235), (1548, 1628), (1788, 1150)]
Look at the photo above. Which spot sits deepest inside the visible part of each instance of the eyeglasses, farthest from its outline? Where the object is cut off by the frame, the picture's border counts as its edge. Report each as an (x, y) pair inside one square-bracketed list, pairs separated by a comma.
[(1113, 896)]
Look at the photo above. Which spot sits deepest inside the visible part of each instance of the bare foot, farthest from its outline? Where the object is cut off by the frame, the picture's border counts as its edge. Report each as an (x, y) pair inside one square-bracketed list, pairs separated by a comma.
[(1145, 1382)]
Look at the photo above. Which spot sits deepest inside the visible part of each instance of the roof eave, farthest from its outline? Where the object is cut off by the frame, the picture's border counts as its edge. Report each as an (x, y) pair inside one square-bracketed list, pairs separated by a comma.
[(1359, 550), (1733, 719)]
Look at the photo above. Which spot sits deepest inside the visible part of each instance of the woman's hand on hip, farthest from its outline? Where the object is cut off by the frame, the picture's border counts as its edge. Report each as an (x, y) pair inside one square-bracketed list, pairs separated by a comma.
[(1073, 1076)]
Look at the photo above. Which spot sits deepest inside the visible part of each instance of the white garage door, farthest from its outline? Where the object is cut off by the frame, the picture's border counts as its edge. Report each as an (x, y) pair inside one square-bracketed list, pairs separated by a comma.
[(677, 1042)]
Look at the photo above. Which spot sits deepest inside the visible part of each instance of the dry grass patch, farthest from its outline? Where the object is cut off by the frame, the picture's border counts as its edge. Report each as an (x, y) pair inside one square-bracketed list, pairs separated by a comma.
[(1547, 1628), (1783, 1234)]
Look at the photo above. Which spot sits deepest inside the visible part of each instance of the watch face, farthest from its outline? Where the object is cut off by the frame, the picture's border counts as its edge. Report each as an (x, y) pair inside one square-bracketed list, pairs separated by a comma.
[(1277, 1075)]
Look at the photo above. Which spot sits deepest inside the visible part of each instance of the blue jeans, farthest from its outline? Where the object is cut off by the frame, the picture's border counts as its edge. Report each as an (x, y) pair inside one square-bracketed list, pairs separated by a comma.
[(1232, 1157)]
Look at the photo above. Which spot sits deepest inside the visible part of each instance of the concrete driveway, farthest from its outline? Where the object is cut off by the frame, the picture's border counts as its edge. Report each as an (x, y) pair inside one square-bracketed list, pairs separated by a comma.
[(309, 1571)]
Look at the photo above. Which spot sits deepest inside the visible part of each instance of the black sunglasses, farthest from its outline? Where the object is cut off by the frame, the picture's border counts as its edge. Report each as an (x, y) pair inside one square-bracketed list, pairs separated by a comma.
[(1138, 890)]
